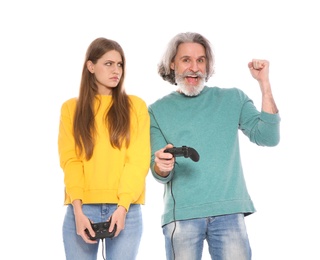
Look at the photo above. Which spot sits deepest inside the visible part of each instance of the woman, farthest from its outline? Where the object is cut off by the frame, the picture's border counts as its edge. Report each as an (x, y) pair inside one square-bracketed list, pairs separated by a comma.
[(104, 149)]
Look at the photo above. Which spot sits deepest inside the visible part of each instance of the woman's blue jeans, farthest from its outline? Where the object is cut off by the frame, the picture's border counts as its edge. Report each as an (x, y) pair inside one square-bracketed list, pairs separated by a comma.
[(226, 237), (123, 247)]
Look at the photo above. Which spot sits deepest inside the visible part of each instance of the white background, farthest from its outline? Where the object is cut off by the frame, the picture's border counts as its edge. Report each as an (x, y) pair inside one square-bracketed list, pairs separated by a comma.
[(42, 48)]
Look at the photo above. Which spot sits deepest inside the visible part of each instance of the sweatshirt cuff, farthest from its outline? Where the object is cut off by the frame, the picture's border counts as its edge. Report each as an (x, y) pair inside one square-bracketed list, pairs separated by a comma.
[(270, 118), (75, 193), (125, 201)]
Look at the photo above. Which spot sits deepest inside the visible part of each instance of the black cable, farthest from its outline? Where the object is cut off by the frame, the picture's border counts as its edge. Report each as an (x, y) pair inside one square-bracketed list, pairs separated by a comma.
[(174, 218), (174, 221), (174, 201)]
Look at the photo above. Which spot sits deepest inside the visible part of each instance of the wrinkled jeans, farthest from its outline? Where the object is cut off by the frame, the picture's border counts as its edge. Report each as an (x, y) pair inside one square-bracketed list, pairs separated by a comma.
[(226, 237), (123, 247)]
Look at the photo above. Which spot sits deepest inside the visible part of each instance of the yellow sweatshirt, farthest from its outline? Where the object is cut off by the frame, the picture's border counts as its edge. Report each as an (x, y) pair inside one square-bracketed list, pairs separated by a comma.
[(111, 175)]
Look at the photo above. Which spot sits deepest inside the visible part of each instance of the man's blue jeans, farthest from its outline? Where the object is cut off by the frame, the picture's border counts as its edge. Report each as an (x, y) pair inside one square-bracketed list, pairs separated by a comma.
[(123, 247), (226, 237)]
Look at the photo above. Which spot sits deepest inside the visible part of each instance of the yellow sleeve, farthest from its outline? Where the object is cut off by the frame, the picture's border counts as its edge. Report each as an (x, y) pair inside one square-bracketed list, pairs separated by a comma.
[(137, 163), (70, 164)]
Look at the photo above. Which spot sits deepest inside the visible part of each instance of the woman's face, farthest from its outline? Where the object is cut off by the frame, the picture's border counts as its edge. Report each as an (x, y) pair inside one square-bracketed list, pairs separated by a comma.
[(108, 71)]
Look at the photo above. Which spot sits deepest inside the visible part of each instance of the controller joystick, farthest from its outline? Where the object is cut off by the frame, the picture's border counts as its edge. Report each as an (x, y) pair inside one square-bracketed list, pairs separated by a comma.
[(184, 151), (102, 230)]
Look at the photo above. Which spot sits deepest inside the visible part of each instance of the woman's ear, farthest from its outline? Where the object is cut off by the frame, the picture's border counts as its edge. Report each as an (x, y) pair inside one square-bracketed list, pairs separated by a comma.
[(90, 66)]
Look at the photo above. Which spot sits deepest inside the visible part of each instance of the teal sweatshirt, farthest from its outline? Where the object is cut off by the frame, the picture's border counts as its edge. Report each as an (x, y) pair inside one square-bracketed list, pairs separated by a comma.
[(209, 123)]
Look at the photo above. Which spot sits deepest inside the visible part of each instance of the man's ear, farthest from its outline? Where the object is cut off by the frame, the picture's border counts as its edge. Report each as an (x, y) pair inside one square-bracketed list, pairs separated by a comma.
[(172, 65), (90, 66)]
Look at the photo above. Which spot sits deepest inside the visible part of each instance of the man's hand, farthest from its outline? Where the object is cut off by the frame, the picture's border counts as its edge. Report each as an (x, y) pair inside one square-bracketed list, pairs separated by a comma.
[(164, 162), (259, 70)]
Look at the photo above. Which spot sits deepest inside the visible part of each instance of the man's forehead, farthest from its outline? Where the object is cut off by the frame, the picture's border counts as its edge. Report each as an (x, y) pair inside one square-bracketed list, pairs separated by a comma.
[(191, 50)]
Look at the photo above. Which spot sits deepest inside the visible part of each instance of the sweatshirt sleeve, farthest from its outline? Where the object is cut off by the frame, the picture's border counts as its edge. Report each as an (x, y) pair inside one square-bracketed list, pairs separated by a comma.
[(262, 128), (70, 164), (132, 181), (158, 141)]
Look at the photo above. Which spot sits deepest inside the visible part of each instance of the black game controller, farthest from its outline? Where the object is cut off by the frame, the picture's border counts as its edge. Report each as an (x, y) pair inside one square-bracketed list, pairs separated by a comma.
[(102, 230), (184, 151)]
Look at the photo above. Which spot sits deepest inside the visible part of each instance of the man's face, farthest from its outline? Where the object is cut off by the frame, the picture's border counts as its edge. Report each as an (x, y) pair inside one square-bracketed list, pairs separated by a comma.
[(189, 66)]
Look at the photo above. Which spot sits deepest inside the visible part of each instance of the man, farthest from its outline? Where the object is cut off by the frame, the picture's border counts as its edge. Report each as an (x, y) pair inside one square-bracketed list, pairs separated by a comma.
[(206, 199)]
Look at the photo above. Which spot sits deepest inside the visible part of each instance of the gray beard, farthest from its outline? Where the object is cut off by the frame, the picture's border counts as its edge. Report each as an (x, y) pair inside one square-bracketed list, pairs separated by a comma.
[(189, 90)]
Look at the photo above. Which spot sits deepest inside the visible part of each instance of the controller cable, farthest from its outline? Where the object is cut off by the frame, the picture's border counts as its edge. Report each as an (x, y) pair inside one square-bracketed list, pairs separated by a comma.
[(171, 191), (103, 254), (174, 207), (174, 216), (102, 249)]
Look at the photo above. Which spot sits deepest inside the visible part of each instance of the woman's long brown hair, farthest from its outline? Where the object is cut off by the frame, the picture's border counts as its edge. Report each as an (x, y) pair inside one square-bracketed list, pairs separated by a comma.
[(118, 117)]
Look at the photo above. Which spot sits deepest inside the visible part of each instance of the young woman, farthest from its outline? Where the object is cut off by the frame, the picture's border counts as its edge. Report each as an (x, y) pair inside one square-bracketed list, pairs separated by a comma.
[(104, 149)]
